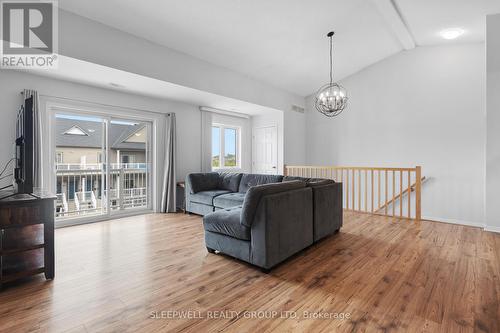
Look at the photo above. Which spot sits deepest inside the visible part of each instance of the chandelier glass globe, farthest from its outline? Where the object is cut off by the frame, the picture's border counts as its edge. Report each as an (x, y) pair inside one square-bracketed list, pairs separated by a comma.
[(331, 99)]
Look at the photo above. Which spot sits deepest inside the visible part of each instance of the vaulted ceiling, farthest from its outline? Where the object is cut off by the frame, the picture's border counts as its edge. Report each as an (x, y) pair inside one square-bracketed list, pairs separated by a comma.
[(283, 42)]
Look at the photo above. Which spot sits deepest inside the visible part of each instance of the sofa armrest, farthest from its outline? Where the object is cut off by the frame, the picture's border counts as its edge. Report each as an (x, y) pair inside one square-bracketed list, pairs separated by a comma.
[(197, 182), (282, 227)]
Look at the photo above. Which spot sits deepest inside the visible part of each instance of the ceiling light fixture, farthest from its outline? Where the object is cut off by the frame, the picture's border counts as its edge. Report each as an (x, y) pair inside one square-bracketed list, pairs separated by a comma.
[(452, 33), (331, 99)]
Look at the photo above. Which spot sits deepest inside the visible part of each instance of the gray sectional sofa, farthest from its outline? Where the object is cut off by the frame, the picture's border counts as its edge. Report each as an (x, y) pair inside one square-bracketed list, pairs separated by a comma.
[(263, 219)]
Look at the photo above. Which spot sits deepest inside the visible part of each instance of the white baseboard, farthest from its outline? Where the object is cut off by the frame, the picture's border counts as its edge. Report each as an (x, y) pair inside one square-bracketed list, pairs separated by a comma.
[(455, 221), (492, 229), (460, 222)]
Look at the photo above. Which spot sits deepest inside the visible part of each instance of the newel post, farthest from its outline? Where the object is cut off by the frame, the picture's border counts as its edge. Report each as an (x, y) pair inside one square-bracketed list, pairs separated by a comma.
[(418, 193), (285, 170)]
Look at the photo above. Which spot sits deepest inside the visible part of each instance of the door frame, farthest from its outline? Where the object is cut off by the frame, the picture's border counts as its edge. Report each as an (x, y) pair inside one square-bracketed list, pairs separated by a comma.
[(50, 106), (274, 125)]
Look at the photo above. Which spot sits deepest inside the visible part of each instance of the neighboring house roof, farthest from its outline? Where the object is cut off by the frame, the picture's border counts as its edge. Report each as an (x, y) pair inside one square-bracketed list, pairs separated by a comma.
[(75, 130), (118, 134)]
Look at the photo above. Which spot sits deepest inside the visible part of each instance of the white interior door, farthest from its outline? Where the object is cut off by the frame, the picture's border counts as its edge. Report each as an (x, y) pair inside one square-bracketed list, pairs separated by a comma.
[(265, 150)]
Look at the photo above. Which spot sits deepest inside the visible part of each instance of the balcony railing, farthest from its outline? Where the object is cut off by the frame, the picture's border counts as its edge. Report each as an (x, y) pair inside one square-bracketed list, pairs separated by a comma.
[(99, 166), (81, 188)]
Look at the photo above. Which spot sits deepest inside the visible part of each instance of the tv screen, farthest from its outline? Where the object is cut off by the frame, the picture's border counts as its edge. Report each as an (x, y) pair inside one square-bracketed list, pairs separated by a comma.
[(23, 172)]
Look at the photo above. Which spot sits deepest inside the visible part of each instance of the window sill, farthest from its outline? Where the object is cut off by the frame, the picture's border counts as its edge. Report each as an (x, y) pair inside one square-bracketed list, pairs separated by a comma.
[(227, 169)]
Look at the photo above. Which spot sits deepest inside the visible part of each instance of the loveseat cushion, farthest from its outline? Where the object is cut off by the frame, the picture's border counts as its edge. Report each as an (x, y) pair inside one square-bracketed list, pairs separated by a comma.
[(229, 200), (249, 180), (311, 182), (255, 193), (203, 181), (229, 181), (207, 197), (227, 222)]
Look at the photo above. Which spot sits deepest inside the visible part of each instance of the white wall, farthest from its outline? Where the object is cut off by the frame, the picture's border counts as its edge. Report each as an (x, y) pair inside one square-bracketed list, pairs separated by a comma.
[(188, 116), (493, 122), (272, 119), (421, 107), (91, 41), (294, 138)]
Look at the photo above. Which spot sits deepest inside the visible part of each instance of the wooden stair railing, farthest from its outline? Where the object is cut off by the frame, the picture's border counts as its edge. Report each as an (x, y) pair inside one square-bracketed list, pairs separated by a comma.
[(373, 189), (398, 196)]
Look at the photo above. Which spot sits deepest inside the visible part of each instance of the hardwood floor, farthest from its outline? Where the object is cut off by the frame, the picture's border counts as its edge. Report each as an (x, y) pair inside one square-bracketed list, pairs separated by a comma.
[(383, 274)]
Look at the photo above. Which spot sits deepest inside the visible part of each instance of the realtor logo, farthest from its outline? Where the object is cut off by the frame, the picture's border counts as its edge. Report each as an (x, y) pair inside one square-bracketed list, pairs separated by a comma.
[(28, 32)]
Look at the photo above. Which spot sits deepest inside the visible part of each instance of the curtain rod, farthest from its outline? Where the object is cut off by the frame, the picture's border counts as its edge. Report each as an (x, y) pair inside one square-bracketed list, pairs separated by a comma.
[(224, 112), (106, 105)]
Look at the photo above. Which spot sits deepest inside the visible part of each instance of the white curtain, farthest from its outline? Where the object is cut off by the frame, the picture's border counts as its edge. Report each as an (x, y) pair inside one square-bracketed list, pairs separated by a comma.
[(206, 141), (37, 138), (168, 200)]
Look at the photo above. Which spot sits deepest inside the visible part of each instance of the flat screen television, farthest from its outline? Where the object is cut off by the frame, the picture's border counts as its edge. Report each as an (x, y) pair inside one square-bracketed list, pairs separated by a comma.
[(23, 171)]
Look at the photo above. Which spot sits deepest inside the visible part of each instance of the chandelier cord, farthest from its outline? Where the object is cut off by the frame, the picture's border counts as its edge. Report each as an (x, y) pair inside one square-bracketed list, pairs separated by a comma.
[(331, 60), (331, 99)]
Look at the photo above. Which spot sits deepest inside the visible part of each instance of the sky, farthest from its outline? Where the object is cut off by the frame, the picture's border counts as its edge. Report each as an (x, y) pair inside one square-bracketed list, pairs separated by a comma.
[(229, 138), (94, 119)]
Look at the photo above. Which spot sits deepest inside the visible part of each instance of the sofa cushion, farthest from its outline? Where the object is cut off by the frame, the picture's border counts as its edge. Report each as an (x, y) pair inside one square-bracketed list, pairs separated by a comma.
[(227, 222), (199, 208), (203, 181), (311, 182), (255, 193), (229, 181), (249, 180), (229, 200), (207, 197)]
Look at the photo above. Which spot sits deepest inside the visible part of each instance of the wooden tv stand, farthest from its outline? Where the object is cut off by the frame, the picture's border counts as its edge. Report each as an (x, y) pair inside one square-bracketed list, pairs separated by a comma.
[(26, 236)]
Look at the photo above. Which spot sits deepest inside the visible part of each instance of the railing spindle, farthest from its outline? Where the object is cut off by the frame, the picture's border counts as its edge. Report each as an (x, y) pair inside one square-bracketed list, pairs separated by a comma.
[(418, 193), (386, 193), (373, 192), (347, 188), (401, 193), (353, 195), (379, 190), (409, 194), (366, 190), (359, 190), (393, 193)]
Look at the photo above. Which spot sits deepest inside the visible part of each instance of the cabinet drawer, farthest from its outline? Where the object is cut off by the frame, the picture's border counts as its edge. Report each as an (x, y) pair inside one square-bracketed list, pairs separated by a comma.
[(20, 238), (29, 214), (16, 263)]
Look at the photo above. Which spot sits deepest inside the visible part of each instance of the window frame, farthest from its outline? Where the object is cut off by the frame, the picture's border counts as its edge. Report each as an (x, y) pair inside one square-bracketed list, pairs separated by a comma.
[(59, 157), (222, 148), (156, 127)]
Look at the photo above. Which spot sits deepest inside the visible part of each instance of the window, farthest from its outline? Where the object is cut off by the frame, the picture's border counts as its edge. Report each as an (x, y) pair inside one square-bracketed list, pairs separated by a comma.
[(230, 142), (216, 147), (95, 183), (59, 157), (128, 159), (225, 147)]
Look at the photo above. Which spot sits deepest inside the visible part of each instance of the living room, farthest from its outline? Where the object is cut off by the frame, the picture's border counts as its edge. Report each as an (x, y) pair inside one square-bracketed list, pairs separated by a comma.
[(251, 165)]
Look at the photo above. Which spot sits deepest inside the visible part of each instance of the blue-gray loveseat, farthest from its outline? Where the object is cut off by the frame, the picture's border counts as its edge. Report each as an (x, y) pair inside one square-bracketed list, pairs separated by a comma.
[(263, 219)]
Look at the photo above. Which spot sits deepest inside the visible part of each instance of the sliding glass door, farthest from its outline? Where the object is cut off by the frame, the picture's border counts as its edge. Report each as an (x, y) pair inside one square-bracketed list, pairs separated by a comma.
[(128, 164), (102, 166)]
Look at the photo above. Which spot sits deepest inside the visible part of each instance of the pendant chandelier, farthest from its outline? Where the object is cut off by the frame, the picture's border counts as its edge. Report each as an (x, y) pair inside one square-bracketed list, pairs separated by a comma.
[(331, 99)]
